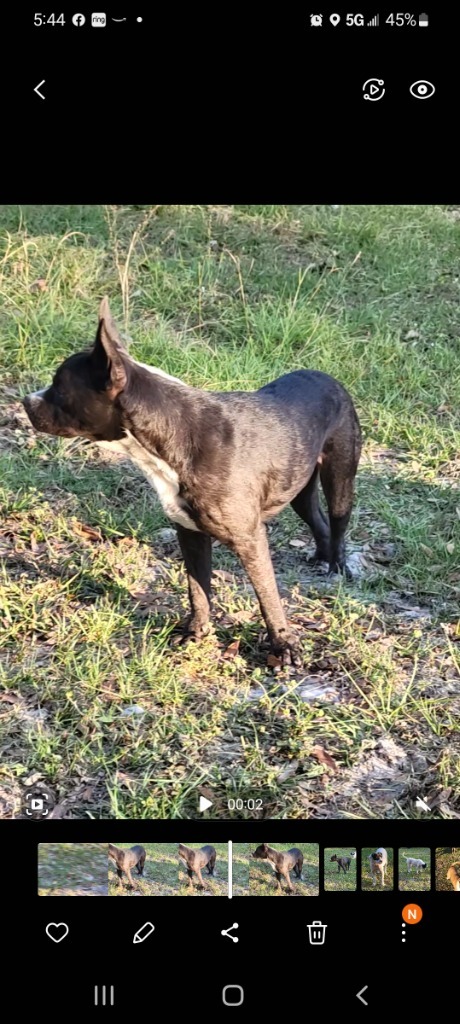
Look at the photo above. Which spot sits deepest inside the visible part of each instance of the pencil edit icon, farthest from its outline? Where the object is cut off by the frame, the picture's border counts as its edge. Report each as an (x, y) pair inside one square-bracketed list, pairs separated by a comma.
[(144, 932)]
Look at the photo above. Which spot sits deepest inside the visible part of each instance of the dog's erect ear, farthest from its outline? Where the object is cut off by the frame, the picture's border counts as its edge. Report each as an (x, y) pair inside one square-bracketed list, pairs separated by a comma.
[(109, 348)]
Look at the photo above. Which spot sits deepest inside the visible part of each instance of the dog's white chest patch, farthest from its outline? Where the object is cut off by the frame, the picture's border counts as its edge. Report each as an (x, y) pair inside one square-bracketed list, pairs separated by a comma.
[(159, 474)]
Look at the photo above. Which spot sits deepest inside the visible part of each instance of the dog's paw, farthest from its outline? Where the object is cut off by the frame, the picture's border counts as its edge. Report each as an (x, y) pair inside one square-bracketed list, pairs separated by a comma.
[(319, 558), (340, 570), (287, 652), (191, 629)]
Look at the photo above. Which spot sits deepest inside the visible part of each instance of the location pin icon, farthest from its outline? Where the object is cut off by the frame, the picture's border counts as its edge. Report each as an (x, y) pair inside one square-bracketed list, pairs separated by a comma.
[(334, 19)]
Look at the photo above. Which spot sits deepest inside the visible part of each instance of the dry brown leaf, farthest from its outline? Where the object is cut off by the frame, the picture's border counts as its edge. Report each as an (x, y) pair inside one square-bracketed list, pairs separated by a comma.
[(59, 811), (10, 698), (232, 650), (87, 532), (324, 758), (274, 662)]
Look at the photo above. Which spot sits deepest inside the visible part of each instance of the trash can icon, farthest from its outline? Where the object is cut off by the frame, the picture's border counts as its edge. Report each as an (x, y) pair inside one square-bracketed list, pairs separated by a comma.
[(316, 933)]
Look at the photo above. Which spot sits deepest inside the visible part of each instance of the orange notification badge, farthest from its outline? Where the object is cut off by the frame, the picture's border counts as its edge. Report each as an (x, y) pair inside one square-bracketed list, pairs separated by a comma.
[(412, 913)]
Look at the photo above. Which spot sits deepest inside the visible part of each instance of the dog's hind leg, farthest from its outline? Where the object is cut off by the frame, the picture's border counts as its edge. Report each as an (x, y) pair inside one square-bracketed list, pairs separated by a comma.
[(337, 473), (255, 556), (120, 876), (196, 552), (190, 877), (307, 506)]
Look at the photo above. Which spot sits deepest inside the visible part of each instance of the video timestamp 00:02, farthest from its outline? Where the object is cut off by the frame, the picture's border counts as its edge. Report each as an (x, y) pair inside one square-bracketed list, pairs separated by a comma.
[(252, 804)]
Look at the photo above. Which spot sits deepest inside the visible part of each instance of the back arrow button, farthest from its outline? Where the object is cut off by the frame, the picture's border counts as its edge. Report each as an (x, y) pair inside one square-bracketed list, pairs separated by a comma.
[(359, 995), (37, 89)]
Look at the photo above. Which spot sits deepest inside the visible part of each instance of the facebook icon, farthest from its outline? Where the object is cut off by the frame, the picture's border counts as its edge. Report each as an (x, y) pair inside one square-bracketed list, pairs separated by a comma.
[(78, 20)]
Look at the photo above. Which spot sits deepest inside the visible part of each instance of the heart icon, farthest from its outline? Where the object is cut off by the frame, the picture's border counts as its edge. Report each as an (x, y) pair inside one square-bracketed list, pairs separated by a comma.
[(57, 932)]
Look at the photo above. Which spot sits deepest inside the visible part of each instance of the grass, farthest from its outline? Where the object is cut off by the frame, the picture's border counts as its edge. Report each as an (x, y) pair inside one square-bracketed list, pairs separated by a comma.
[(72, 869), (262, 881), (160, 872), (216, 885), (445, 858), (367, 884), (241, 853), (335, 881), (409, 881), (95, 698)]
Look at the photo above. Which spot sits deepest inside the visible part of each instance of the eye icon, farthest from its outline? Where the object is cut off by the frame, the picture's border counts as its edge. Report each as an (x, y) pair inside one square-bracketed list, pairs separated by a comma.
[(422, 90)]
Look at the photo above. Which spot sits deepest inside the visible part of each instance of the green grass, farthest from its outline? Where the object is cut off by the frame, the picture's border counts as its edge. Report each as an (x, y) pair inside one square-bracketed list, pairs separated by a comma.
[(333, 881), (216, 885), (410, 881), (230, 297), (367, 882), (262, 881), (160, 872), (72, 869), (240, 857), (445, 858)]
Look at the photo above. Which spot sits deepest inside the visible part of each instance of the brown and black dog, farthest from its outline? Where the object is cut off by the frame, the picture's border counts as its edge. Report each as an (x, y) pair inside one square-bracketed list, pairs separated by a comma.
[(124, 860), (195, 860), (222, 463), (282, 863)]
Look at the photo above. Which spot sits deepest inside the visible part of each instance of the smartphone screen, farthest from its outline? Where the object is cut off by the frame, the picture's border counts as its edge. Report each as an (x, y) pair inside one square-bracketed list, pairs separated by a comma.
[(230, 530)]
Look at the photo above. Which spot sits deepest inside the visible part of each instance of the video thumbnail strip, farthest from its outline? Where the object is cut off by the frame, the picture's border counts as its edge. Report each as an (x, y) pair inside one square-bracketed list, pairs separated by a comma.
[(241, 869)]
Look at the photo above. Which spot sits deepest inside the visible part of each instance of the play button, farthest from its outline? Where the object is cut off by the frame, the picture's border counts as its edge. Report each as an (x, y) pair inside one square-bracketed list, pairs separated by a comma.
[(374, 89), (204, 804)]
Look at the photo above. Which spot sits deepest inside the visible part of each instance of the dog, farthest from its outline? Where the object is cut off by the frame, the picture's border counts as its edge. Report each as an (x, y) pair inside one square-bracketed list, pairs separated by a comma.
[(124, 860), (222, 463), (414, 863), (378, 863), (453, 875), (196, 860), (282, 863), (343, 863)]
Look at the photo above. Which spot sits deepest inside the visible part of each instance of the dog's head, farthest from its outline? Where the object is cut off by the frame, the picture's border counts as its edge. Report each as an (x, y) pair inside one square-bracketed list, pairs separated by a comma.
[(261, 853), (377, 857), (334, 856), (82, 399)]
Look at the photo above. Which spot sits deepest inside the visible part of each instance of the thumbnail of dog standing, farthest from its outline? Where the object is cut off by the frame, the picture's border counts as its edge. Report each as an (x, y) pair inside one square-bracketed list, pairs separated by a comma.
[(378, 863), (222, 463), (196, 860), (124, 860), (343, 863), (282, 863), (414, 863)]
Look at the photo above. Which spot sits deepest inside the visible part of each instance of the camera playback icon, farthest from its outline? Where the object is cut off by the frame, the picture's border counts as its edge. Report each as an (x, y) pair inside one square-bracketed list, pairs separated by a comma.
[(37, 803)]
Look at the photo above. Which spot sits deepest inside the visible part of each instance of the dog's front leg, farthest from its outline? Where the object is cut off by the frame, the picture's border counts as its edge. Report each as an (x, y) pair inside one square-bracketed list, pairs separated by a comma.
[(255, 556), (196, 552)]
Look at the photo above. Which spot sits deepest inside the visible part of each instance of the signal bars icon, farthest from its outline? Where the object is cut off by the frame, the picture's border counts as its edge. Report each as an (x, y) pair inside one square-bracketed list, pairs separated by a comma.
[(373, 23)]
